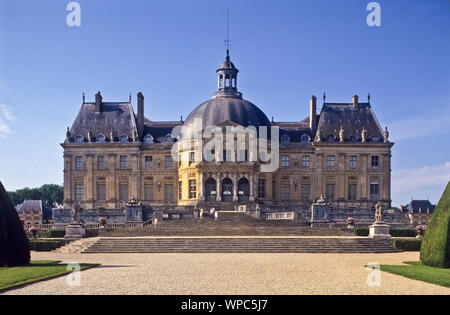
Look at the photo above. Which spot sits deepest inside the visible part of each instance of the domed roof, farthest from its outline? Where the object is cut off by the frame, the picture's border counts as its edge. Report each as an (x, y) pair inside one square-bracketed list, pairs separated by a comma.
[(227, 64), (236, 110)]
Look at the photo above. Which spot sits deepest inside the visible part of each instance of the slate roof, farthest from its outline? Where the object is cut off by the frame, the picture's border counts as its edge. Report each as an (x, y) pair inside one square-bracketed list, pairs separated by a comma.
[(415, 205), (159, 129), (30, 206), (119, 116), (352, 120)]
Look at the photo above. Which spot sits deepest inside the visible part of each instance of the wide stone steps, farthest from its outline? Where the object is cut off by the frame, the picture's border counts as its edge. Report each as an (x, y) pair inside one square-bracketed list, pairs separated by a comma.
[(240, 245)]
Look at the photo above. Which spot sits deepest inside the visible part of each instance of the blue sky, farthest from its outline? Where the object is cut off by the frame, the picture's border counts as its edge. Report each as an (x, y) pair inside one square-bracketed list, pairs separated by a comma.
[(169, 49)]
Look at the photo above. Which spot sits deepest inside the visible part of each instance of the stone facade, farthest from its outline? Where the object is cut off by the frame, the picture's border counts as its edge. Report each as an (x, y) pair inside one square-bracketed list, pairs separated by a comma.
[(111, 155)]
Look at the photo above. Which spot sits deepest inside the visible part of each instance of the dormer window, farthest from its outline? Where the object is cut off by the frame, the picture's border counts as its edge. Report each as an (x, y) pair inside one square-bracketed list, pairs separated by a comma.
[(304, 139), (285, 139), (148, 138), (168, 138), (79, 139), (331, 138), (123, 138), (101, 138), (353, 138), (374, 139)]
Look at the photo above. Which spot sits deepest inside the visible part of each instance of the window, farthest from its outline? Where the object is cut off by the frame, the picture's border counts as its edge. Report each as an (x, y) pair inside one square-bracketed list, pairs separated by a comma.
[(180, 190), (243, 156), (168, 161), (305, 190), (101, 162), (352, 191), (101, 139), (227, 155), (123, 191), (304, 139), (285, 161), (148, 139), (261, 188), (374, 191), (148, 161), (79, 192), (101, 191), (168, 192), (305, 161), (192, 189), (285, 139), (79, 139), (375, 161), (330, 161), (123, 162), (148, 192), (78, 162), (330, 191), (375, 139), (285, 192), (331, 138), (123, 138), (352, 161), (191, 157)]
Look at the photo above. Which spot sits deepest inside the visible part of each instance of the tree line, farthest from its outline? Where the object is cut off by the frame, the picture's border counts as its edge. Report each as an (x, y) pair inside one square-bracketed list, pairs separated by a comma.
[(50, 194)]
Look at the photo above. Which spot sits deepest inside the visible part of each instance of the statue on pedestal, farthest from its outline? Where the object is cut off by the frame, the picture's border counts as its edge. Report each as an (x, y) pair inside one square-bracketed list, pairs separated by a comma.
[(76, 213), (378, 212)]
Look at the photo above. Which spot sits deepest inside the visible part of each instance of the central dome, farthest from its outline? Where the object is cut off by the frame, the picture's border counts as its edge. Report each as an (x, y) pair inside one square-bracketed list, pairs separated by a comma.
[(236, 110), (227, 103)]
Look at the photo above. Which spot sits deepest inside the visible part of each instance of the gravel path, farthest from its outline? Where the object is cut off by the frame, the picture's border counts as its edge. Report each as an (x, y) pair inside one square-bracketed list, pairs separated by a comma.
[(231, 274)]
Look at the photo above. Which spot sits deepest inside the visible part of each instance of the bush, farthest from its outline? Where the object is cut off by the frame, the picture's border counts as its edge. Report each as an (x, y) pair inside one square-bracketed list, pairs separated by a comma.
[(408, 245), (435, 250), (45, 245), (55, 233), (362, 231), (14, 247)]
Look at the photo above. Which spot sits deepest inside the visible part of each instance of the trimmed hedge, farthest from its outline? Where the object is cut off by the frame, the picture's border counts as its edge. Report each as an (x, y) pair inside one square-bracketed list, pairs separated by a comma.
[(14, 247), (55, 233), (395, 232), (408, 245), (46, 245), (435, 249)]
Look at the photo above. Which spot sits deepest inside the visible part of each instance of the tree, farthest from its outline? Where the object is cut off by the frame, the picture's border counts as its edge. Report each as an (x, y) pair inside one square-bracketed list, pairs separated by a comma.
[(49, 194), (14, 246), (435, 249)]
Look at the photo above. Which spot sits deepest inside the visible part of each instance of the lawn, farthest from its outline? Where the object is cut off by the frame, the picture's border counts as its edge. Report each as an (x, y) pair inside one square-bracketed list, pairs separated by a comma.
[(38, 270), (415, 270)]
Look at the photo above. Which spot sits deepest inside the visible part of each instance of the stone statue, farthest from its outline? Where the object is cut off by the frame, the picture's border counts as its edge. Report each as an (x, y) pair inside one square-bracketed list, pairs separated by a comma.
[(133, 202), (318, 136), (89, 135), (68, 134), (111, 135), (320, 200), (341, 134), (363, 135), (378, 212), (386, 134), (76, 212), (135, 135)]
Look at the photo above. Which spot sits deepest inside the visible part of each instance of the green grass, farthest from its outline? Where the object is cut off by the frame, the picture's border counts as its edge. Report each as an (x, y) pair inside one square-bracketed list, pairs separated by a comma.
[(37, 270), (417, 271)]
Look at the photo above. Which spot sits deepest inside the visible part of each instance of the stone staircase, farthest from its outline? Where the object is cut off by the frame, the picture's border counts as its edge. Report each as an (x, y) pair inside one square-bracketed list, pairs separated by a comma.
[(239, 245), (77, 246), (228, 224)]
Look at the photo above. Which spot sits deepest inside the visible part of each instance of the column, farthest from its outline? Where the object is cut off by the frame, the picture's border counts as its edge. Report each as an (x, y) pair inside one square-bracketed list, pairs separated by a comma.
[(252, 197), (319, 174), (89, 182), (235, 188), (201, 187), (218, 188), (363, 180), (111, 181), (341, 178), (268, 187), (68, 181)]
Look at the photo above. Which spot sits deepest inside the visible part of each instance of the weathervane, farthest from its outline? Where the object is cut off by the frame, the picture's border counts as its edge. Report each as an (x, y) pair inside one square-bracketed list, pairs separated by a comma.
[(227, 41)]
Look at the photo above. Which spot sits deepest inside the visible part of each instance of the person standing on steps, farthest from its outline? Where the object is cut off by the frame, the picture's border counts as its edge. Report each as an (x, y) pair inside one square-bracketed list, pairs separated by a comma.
[(201, 213), (155, 222), (216, 215)]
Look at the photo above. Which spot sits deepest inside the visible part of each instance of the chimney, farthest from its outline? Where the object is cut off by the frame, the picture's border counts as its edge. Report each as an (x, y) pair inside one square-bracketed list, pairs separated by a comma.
[(355, 101), (98, 102), (312, 115), (140, 113)]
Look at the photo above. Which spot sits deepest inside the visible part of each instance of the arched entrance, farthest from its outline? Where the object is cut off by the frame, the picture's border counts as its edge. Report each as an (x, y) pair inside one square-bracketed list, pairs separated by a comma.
[(243, 190), (227, 190), (211, 192)]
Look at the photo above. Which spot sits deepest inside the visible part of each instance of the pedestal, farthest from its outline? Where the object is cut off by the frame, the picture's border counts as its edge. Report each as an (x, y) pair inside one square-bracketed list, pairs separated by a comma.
[(379, 230), (75, 231)]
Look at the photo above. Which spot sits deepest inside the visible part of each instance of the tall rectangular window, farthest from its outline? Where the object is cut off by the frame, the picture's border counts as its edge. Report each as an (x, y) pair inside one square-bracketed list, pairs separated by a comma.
[(123, 191), (261, 188), (180, 190), (375, 161), (243, 155), (79, 192), (330, 191), (285, 161), (305, 190), (352, 191), (285, 192), (168, 161), (148, 192), (78, 162), (374, 191), (227, 155), (192, 189), (305, 161), (168, 192), (101, 162), (123, 162), (148, 161), (191, 157), (330, 161), (101, 191), (352, 162)]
